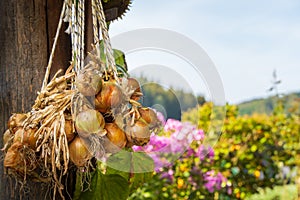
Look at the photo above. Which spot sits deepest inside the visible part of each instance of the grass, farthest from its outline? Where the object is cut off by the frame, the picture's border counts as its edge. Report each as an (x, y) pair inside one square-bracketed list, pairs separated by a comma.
[(286, 192)]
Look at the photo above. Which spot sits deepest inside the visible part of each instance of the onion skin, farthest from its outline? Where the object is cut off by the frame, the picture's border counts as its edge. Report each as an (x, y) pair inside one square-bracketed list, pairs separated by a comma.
[(13, 158), (16, 120), (79, 154), (7, 136), (88, 82), (138, 134), (110, 96), (16, 159), (133, 84), (116, 135), (26, 137), (69, 130), (89, 122)]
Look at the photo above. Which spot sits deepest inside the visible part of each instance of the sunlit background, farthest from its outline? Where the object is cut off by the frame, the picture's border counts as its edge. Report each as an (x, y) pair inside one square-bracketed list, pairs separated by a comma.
[(247, 41)]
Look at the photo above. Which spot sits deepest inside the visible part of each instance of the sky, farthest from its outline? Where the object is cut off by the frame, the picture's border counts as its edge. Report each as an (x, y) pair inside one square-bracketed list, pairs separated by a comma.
[(246, 40)]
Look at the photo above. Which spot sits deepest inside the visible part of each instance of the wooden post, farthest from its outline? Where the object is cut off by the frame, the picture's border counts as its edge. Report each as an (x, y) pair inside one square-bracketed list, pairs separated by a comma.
[(27, 31)]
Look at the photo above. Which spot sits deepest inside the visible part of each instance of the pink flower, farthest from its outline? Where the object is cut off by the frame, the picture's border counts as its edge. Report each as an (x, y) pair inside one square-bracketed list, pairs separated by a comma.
[(161, 118), (173, 125), (198, 135)]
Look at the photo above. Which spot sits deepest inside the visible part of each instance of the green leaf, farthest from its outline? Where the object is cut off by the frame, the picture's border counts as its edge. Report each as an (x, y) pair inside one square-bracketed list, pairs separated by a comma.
[(137, 167), (142, 162), (119, 57), (131, 162), (138, 180), (106, 187), (119, 163)]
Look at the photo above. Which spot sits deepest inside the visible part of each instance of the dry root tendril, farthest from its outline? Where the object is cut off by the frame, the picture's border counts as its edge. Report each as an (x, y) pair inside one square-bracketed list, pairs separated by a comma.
[(49, 161)]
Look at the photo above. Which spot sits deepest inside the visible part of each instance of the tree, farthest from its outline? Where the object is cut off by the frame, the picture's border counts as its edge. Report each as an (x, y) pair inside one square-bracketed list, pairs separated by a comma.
[(27, 29)]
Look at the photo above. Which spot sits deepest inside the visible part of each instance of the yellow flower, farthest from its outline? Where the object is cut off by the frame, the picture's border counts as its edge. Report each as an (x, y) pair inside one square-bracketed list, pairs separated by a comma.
[(257, 173), (182, 168), (180, 183)]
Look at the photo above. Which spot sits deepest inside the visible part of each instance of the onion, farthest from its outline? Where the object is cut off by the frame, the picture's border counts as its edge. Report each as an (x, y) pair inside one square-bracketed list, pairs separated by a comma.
[(115, 135), (26, 137), (150, 117), (89, 122), (16, 120), (109, 97), (13, 158), (133, 84), (138, 134), (18, 156), (89, 82), (79, 153)]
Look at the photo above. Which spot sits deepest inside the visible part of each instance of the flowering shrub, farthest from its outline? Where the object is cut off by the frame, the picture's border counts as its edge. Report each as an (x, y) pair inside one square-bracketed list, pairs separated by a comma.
[(182, 165), (253, 152)]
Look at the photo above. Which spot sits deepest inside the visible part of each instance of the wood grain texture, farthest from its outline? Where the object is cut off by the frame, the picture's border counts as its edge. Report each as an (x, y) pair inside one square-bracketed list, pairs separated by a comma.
[(27, 29)]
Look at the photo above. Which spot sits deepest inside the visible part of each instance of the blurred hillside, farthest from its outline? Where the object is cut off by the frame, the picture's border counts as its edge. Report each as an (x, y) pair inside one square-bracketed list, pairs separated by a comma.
[(170, 101), (173, 102), (290, 102)]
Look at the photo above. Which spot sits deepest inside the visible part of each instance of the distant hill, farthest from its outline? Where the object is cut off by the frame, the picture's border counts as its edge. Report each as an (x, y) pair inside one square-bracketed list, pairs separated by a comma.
[(171, 102), (290, 101)]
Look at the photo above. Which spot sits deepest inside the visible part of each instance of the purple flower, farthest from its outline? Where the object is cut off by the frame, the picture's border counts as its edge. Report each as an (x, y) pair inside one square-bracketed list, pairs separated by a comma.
[(190, 152), (213, 181), (202, 152), (168, 175), (211, 152)]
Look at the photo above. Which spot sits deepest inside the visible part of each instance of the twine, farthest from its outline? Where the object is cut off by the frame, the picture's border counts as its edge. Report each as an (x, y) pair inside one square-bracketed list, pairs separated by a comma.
[(95, 23), (48, 69), (106, 40), (76, 18)]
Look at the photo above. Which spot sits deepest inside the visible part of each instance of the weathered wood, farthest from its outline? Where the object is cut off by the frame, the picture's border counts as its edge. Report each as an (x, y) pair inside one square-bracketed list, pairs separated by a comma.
[(27, 30), (63, 51)]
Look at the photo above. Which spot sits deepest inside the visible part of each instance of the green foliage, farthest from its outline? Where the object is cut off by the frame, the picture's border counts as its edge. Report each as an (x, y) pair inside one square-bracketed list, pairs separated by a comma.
[(172, 100), (136, 167), (105, 187), (124, 173), (251, 154), (286, 192), (290, 103), (253, 149)]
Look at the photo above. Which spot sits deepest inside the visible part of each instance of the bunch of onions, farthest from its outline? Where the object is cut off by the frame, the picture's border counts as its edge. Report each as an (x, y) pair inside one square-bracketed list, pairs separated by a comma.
[(113, 131)]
